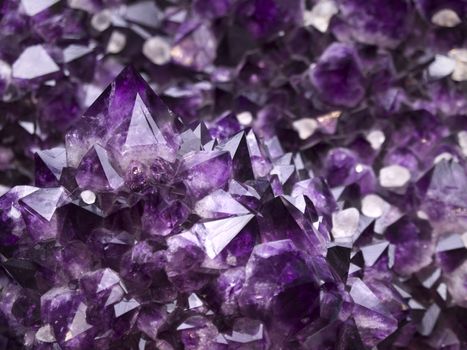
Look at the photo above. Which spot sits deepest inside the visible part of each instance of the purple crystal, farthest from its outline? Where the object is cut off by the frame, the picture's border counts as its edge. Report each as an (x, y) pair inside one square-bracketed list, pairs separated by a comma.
[(266, 17), (123, 120), (143, 262), (220, 233), (407, 236), (195, 46), (444, 190), (367, 307), (150, 319), (49, 166), (337, 76), (65, 311), (377, 22), (96, 173), (278, 282), (210, 9), (197, 332), (46, 66), (205, 171), (318, 192)]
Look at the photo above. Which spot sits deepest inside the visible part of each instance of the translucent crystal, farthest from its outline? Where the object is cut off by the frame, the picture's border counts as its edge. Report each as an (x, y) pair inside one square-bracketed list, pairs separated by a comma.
[(33, 7), (394, 176), (34, 62)]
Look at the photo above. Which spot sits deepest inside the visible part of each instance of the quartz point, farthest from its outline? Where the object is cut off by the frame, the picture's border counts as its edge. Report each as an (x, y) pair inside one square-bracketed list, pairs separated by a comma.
[(95, 172), (219, 233), (219, 204), (45, 201), (32, 8), (339, 61), (49, 166), (125, 306), (372, 252), (33, 63), (136, 119)]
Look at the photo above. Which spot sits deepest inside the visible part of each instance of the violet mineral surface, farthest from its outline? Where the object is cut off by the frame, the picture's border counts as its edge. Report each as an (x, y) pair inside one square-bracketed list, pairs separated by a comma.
[(233, 174)]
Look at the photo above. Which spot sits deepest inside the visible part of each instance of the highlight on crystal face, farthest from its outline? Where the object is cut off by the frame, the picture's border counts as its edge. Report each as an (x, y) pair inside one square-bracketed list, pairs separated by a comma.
[(233, 174)]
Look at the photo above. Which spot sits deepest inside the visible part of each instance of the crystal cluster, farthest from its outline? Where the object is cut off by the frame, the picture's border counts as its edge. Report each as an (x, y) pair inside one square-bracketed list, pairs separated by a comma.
[(263, 174)]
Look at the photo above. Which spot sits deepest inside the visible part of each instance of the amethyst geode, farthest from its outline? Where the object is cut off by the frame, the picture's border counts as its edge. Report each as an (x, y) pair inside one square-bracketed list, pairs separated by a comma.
[(297, 182), (146, 233)]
